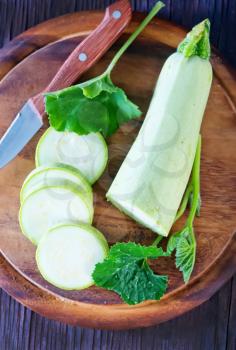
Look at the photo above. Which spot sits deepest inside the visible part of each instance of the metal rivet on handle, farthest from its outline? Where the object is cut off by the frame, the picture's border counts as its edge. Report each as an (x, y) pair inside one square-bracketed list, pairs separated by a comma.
[(83, 57), (116, 14)]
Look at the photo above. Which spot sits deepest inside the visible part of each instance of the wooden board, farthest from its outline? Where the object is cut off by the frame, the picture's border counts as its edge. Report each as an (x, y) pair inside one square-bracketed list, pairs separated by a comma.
[(136, 73)]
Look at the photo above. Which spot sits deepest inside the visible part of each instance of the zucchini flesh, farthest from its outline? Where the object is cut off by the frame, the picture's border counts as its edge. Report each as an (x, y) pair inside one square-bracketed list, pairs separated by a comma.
[(87, 153), (151, 182), (50, 206), (47, 175), (66, 256)]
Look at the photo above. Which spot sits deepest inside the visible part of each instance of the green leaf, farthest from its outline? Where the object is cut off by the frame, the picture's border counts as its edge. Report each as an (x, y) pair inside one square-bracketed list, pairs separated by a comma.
[(135, 251), (97, 105), (185, 251), (185, 257), (126, 271), (172, 242)]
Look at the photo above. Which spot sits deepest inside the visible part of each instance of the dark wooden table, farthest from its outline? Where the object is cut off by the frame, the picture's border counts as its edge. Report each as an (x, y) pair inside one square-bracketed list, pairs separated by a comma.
[(212, 326)]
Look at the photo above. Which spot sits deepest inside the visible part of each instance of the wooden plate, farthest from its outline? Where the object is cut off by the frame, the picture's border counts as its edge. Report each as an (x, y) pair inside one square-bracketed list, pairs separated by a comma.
[(137, 72)]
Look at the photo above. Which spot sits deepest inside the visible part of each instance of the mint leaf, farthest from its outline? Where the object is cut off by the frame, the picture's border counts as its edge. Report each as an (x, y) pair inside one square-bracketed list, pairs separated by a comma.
[(126, 271), (135, 251), (97, 105)]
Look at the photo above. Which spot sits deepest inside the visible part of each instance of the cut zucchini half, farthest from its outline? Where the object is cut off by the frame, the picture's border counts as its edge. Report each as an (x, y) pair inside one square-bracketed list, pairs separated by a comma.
[(87, 153), (50, 206), (66, 256), (152, 179), (47, 175)]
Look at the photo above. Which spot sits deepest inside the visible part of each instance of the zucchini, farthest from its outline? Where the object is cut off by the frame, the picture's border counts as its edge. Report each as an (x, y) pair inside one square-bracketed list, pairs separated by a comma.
[(46, 175), (87, 153), (52, 205), (151, 182), (66, 256)]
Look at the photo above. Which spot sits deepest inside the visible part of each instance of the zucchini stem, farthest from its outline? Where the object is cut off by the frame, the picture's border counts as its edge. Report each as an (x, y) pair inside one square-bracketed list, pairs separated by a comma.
[(184, 241), (195, 193), (193, 189), (195, 180), (157, 240), (197, 42), (184, 202), (159, 5)]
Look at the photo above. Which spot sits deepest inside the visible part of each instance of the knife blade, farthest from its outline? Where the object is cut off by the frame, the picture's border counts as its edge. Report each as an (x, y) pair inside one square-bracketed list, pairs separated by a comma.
[(30, 119)]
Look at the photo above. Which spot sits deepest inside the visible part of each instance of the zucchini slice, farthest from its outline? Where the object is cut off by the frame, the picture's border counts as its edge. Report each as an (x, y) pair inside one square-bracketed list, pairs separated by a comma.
[(50, 206), (87, 153), (66, 256), (46, 175)]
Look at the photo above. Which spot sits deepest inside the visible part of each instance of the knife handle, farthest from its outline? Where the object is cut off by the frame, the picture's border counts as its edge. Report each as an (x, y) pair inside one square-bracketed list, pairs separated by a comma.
[(116, 18)]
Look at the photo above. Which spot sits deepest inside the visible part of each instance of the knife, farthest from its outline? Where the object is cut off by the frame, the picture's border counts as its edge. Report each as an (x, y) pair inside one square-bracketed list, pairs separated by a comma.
[(30, 119)]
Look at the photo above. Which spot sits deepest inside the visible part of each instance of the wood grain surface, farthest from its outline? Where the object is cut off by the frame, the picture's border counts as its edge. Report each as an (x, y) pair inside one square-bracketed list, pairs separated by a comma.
[(214, 229), (39, 333), (205, 328)]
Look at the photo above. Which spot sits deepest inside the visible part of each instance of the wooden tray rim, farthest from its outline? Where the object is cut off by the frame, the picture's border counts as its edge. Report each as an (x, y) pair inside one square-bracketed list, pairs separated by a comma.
[(106, 316)]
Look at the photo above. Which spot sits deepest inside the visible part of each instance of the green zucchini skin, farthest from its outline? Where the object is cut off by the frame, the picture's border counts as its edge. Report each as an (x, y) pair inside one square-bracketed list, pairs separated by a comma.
[(152, 179)]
